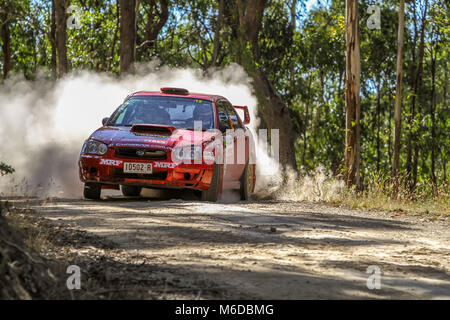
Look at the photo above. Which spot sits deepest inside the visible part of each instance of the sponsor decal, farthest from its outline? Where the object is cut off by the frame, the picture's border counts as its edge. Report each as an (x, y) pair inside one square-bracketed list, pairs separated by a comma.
[(109, 162), (158, 164), (155, 141)]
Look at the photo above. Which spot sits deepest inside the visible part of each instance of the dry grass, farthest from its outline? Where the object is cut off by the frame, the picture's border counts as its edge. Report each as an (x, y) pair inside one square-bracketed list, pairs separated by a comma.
[(377, 194), (438, 205)]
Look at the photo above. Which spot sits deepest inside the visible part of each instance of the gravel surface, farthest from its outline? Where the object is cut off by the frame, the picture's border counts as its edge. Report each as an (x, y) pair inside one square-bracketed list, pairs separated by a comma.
[(257, 250)]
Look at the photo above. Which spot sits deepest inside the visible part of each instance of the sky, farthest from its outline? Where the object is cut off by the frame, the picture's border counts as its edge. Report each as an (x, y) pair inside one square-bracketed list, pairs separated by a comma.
[(310, 4)]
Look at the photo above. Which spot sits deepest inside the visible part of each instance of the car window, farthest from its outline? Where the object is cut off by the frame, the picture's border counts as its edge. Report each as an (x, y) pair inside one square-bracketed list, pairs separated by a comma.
[(121, 113), (233, 115), (181, 112), (224, 119), (173, 111)]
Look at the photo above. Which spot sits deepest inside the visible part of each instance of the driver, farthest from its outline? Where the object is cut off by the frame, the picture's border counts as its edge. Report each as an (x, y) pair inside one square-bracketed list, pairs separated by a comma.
[(161, 116), (151, 114), (204, 113), (143, 114)]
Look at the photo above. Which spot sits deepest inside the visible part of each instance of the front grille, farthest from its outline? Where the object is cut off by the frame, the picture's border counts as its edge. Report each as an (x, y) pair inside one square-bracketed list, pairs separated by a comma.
[(156, 175), (145, 153)]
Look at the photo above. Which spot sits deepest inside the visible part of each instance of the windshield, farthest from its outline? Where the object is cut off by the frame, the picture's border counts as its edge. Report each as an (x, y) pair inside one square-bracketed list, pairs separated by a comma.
[(170, 111)]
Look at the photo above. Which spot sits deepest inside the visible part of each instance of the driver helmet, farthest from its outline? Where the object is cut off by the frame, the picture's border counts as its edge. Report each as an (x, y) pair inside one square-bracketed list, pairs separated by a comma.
[(144, 114)]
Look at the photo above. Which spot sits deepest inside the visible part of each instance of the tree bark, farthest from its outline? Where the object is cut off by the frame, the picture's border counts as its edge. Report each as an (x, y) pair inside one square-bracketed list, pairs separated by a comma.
[(153, 26), (416, 76), (114, 40), (433, 117), (127, 35), (412, 71), (61, 35), (52, 36), (398, 93), (305, 125), (418, 95), (6, 39), (352, 98), (378, 122), (244, 18), (293, 12), (217, 28)]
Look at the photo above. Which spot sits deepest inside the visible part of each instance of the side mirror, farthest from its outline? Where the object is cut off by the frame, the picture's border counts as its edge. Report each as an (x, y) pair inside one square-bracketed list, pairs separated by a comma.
[(246, 113), (105, 120)]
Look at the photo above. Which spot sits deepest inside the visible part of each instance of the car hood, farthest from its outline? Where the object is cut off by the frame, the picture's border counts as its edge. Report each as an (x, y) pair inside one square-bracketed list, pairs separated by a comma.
[(125, 137)]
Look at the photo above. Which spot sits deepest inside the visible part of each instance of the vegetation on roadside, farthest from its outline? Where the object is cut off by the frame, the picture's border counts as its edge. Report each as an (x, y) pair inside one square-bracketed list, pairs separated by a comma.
[(5, 169), (296, 58), (425, 199), (24, 274), (378, 194)]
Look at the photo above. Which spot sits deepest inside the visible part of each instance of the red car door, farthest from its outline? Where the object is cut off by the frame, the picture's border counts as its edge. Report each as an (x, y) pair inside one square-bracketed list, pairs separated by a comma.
[(240, 141), (226, 127)]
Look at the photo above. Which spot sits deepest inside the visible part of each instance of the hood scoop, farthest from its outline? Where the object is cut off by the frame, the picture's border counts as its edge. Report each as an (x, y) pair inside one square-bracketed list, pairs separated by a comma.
[(152, 130)]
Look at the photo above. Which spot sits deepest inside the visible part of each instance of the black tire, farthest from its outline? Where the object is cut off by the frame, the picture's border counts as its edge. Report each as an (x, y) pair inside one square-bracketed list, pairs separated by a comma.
[(212, 194), (92, 190), (131, 191), (246, 182)]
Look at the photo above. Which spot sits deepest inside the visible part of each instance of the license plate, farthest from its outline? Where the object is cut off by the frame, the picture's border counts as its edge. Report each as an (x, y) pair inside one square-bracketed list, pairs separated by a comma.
[(135, 167)]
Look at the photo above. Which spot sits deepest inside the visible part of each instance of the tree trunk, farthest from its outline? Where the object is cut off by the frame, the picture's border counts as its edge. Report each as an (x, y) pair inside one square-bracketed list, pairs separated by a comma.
[(53, 62), (154, 27), (378, 122), (6, 40), (418, 94), (61, 35), (276, 116), (445, 97), (390, 135), (217, 28), (245, 20), (322, 104), (305, 138), (114, 40), (398, 94), (413, 76), (444, 166), (413, 148), (293, 12), (127, 35), (352, 98), (433, 117)]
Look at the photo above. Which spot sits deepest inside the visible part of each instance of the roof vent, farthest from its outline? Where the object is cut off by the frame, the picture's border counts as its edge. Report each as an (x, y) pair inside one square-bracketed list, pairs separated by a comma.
[(175, 91)]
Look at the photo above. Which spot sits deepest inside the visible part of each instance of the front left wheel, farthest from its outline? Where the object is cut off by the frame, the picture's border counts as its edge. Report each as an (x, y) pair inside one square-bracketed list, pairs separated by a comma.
[(212, 194)]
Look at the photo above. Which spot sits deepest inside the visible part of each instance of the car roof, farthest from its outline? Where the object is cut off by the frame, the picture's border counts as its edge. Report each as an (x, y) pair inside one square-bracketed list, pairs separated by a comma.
[(193, 95)]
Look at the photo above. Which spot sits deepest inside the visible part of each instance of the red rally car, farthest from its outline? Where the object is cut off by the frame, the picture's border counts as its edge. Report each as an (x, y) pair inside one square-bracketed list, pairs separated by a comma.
[(171, 139)]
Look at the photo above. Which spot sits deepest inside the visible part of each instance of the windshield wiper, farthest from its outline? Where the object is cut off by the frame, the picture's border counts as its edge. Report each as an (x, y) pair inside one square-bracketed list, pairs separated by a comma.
[(193, 129)]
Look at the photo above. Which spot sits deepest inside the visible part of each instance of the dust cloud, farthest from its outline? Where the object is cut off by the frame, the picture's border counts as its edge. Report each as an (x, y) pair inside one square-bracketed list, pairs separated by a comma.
[(44, 123)]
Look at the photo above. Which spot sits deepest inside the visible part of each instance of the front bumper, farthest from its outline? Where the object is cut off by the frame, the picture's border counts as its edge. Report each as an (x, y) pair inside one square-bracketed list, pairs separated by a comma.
[(108, 170)]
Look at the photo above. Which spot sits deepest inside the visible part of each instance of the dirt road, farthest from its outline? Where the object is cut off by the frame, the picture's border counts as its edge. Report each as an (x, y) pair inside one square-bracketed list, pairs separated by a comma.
[(273, 250)]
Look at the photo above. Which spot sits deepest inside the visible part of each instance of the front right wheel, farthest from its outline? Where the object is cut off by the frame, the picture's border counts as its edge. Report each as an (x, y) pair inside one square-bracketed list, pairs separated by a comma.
[(247, 182), (92, 190)]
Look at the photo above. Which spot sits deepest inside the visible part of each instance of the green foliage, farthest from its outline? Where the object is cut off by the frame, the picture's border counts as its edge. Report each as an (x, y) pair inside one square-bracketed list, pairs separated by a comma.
[(303, 59), (5, 169)]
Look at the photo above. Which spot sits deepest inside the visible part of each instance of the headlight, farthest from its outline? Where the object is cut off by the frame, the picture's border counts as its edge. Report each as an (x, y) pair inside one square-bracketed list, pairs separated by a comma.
[(95, 147), (187, 153)]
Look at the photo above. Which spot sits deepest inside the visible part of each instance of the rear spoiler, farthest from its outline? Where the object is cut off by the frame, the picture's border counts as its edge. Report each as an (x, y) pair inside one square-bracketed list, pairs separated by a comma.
[(246, 113)]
